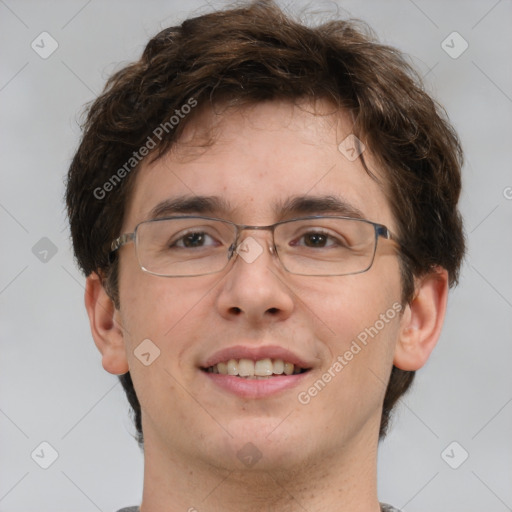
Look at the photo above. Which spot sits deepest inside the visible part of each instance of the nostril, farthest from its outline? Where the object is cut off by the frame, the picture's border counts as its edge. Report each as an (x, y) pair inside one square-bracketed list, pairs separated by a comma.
[(235, 310), (273, 311)]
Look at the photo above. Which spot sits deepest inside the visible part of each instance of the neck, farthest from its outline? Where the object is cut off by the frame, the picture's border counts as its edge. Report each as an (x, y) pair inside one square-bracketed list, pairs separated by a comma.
[(340, 481)]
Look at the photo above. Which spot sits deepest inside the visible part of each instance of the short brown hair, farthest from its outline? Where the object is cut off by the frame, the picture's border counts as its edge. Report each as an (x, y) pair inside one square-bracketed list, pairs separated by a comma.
[(256, 53)]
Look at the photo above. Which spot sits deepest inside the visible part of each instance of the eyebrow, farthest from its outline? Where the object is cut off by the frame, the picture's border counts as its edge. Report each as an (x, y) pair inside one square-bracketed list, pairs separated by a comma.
[(293, 206), (318, 205), (209, 205)]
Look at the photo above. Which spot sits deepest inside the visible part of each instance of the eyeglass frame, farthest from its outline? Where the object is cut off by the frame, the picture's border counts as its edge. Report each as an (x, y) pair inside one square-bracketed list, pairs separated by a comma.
[(380, 230)]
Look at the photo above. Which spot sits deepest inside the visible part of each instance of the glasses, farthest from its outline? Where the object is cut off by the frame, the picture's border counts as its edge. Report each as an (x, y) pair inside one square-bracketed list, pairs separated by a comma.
[(308, 246)]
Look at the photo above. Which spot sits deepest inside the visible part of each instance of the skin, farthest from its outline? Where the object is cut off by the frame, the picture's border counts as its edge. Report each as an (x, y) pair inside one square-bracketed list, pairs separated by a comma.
[(319, 456)]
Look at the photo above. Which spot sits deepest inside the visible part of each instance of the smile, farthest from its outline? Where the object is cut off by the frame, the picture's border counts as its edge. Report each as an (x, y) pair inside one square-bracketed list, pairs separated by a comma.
[(260, 369)]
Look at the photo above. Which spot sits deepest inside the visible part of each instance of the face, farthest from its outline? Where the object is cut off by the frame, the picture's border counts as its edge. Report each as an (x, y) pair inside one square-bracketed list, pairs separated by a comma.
[(341, 329)]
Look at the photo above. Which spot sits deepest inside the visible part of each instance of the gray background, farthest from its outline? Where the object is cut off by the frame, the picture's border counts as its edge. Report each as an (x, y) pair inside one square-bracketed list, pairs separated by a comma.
[(52, 385)]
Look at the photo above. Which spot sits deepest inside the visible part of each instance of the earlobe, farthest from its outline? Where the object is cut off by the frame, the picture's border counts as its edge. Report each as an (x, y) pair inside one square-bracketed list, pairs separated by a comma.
[(106, 331), (422, 321)]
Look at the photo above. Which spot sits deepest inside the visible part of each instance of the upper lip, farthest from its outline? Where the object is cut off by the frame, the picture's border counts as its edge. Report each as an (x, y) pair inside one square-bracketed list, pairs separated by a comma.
[(255, 354)]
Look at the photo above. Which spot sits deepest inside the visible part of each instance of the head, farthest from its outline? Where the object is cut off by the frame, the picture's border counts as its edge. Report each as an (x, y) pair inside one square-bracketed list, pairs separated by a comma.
[(251, 106)]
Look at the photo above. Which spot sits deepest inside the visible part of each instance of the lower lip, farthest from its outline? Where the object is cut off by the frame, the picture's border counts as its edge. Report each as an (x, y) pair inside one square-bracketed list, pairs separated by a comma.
[(255, 388)]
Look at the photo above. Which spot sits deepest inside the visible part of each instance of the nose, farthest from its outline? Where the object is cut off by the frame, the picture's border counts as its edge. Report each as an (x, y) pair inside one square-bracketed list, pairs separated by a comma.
[(254, 289)]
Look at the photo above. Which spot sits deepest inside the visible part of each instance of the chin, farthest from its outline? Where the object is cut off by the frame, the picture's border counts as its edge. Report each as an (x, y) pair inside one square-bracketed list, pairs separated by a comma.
[(258, 445)]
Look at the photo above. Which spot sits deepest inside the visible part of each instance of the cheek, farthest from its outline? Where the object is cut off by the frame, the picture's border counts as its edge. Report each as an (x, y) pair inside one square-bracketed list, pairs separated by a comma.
[(355, 304), (359, 326), (363, 324), (153, 306), (155, 312), (172, 313)]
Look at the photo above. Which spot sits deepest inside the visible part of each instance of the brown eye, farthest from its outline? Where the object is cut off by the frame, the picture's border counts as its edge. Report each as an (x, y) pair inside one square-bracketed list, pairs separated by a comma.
[(195, 239), (315, 240)]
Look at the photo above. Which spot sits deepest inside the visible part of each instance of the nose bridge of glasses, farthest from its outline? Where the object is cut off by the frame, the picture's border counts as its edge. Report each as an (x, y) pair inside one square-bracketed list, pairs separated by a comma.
[(249, 242)]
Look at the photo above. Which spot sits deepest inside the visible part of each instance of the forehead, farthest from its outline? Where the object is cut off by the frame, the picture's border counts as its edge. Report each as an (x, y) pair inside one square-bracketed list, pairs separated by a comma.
[(258, 161)]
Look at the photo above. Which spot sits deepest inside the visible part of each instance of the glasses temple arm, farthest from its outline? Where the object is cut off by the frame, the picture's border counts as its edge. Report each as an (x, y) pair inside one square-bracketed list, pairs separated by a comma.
[(122, 240)]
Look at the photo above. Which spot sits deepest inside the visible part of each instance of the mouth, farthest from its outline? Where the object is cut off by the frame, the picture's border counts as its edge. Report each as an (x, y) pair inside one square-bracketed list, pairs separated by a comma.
[(261, 369), (255, 372)]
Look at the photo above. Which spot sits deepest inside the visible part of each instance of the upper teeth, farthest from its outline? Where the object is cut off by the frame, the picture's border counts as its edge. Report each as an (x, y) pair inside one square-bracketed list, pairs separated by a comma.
[(249, 368)]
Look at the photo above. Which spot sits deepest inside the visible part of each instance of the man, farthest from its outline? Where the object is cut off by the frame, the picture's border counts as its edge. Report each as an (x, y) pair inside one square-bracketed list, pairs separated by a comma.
[(267, 218)]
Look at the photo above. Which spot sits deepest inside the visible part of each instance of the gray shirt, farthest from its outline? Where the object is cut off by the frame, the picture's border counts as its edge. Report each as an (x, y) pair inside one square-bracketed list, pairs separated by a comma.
[(383, 507)]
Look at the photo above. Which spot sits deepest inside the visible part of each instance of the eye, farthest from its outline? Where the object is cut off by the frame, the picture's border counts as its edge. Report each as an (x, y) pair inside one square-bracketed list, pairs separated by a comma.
[(315, 239), (318, 239), (194, 239)]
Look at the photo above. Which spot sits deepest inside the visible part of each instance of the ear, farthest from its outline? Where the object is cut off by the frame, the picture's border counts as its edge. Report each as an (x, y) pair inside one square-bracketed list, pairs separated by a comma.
[(422, 321), (105, 328)]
